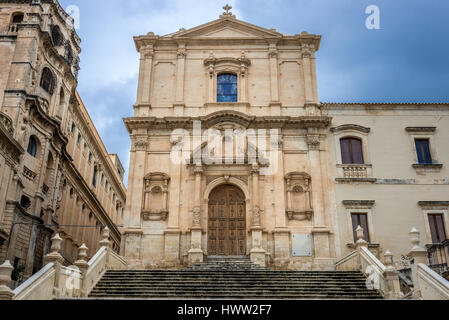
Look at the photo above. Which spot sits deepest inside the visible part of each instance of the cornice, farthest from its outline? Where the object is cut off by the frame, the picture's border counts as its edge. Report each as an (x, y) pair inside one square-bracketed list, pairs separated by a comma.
[(231, 116)]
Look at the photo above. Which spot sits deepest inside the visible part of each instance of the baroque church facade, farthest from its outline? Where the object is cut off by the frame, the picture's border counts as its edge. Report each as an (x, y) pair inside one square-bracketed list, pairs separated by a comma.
[(233, 154)]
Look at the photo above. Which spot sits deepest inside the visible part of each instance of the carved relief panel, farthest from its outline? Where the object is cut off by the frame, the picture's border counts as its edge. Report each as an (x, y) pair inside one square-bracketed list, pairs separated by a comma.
[(155, 200)]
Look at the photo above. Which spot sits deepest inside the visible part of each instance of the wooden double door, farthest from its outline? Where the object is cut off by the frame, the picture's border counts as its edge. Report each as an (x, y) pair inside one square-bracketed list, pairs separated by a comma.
[(227, 222)]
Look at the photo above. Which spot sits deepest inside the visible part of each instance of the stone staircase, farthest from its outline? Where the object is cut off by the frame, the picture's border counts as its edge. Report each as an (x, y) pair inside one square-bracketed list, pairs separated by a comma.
[(231, 278)]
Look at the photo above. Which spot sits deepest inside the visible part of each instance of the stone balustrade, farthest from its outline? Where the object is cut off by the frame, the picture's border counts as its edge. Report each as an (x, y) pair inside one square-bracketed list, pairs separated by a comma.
[(355, 171), (57, 281)]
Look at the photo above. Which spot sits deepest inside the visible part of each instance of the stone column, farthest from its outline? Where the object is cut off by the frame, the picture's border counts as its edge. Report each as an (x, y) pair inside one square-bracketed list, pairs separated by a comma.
[(5, 278), (180, 74), (275, 104), (243, 81), (281, 232), (144, 88), (417, 255), (31, 250), (320, 230), (173, 233), (196, 253), (307, 55), (257, 252), (133, 232)]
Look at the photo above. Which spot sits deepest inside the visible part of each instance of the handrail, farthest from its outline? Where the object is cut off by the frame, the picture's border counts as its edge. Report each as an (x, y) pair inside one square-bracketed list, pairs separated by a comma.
[(431, 284), (33, 283)]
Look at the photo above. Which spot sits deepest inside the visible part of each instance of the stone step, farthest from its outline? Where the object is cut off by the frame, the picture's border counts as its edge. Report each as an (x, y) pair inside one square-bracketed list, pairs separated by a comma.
[(228, 286), (232, 278), (213, 292)]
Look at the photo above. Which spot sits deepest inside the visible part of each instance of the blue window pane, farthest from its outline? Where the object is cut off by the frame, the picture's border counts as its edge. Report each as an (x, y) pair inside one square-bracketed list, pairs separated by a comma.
[(227, 88), (423, 151)]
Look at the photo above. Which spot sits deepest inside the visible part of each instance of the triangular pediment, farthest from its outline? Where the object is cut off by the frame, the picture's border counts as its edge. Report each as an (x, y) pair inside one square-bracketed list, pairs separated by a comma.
[(227, 28)]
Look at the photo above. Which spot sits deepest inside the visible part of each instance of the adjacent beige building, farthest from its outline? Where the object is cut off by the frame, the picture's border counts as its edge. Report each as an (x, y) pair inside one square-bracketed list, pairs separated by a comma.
[(233, 154), (55, 173)]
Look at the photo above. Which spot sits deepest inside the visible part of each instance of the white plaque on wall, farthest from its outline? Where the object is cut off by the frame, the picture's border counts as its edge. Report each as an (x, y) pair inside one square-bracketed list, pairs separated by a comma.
[(301, 245)]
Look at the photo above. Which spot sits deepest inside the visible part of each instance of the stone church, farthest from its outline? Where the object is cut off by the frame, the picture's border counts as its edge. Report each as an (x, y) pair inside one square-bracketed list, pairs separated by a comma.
[(233, 154)]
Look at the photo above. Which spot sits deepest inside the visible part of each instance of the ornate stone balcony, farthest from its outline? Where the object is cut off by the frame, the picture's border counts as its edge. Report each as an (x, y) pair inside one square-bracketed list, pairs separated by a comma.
[(348, 173), (29, 174), (355, 171)]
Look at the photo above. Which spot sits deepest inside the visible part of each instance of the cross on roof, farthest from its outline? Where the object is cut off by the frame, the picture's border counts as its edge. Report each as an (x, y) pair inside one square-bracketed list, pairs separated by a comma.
[(227, 7)]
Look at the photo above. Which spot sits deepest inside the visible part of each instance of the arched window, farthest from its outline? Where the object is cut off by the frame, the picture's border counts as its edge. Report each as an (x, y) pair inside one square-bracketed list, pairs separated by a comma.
[(351, 151), (32, 146), (227, 87), (17, 17), (56, 35), (48, 80)]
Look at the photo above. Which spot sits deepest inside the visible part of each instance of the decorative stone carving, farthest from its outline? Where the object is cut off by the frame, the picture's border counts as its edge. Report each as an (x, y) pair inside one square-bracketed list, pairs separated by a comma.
[(155, 197), (227, 13), (196, 217), (307, 50), (256, 216), (313, 141), (299, 205), (140, 143)]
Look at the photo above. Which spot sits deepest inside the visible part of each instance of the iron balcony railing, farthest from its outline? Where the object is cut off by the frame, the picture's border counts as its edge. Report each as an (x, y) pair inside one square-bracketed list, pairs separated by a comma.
[(438, 255)]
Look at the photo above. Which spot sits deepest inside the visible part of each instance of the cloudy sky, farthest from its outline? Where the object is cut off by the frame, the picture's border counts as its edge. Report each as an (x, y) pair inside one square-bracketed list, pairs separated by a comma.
[(406, 60)]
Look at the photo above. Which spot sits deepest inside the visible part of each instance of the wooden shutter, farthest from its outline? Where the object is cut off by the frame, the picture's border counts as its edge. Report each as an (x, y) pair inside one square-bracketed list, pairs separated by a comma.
[(345, 146), (437, 229)]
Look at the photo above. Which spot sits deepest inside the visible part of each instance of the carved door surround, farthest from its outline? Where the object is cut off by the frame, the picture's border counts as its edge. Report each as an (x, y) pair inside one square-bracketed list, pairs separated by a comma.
[(155, 200), (227, 221), (299, 202)]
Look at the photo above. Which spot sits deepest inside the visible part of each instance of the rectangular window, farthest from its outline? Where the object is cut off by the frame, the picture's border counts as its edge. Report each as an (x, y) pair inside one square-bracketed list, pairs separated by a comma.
[(360, 219), (437, 230), (423, 151), (351, 151)]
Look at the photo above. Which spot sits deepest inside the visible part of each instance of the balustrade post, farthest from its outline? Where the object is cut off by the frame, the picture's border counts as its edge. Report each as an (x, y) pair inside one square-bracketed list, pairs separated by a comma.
[(105, 242), (417, 255), (57, 259), (82, 264), (5, 278), (391, 276)]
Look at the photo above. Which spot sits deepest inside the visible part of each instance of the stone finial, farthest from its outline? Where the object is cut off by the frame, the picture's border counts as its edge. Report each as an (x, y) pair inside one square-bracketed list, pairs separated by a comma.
[(360, 238), (388, 259), (418, 254), (360, 233), (415, 238), (54, 255), (5, 278), (82, 252), (81, 263), (105, 238), (56, 242)]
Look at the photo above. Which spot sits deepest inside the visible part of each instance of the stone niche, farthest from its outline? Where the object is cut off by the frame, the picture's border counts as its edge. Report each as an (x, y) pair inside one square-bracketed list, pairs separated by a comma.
[(155, 206), (299, 205)]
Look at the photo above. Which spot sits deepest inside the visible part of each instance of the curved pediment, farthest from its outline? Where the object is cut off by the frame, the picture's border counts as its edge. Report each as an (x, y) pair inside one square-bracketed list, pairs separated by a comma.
[(157, 176), (228, 116), (354, 127)]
